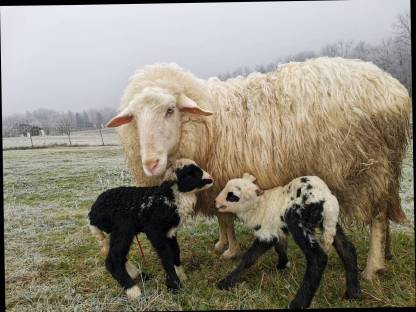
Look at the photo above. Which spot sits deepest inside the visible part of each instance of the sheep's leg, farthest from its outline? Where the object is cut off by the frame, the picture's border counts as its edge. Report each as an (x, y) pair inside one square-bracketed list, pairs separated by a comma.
[(316, 260), (173, 243), (257, 249), (221, 245), (375, 258), (166, 256), (387, 252), (233, 246), (116, 262), (348, 255), (281, 249)]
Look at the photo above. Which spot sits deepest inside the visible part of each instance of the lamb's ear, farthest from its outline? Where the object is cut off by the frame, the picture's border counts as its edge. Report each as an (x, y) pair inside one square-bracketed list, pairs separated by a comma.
[(123, 118), (249, 177), (186, 105)]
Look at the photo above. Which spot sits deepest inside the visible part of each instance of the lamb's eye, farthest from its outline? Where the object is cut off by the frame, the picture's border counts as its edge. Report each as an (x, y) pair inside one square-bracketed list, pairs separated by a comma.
[(170, 111), (232, 198)]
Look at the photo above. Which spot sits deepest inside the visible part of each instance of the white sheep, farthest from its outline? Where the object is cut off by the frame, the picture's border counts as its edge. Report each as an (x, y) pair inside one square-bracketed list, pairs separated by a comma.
[(298, 208), (346, 121)]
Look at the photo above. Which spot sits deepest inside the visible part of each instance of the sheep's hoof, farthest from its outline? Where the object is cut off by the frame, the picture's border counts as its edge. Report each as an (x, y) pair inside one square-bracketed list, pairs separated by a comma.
[(228, 254), (371, 274), (282, 266), (181, 273), (133, 292), (220, 247), (353, 294)]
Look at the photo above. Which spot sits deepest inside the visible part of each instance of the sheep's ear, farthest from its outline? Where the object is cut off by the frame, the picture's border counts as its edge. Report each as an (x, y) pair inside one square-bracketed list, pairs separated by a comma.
[(249, 177), (123, 118), (186, 105)]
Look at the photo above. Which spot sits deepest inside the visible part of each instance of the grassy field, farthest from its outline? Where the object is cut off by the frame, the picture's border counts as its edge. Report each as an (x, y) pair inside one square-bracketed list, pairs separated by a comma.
[(52, 261)]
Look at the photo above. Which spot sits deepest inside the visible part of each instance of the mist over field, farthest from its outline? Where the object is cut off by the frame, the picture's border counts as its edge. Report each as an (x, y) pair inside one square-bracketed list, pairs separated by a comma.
[(80, 57)]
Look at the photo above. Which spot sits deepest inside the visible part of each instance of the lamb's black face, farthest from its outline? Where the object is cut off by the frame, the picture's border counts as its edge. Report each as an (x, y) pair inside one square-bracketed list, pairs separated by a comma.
[(192, 178)]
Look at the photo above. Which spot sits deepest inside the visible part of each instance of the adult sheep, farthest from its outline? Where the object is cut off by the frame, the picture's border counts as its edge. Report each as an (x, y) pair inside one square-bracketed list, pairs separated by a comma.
[(346, 121)]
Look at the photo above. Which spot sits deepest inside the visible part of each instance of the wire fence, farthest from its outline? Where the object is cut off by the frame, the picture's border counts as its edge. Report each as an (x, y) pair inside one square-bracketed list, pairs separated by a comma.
[(92, 137)]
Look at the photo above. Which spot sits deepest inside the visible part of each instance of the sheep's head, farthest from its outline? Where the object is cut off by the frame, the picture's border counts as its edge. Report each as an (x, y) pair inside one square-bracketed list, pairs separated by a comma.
[(188, 176), (158, 114), (238, 195)]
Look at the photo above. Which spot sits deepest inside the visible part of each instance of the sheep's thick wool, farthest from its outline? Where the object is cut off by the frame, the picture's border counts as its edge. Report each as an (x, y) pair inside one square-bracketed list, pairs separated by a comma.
[(346, 121)]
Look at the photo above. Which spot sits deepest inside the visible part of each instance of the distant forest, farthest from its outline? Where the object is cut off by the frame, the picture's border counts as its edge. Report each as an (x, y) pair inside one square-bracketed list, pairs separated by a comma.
[(393, 54)]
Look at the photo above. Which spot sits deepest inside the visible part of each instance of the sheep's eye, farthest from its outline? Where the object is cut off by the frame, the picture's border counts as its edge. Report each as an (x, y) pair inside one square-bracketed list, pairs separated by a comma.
[(232, 198), (170, 111)]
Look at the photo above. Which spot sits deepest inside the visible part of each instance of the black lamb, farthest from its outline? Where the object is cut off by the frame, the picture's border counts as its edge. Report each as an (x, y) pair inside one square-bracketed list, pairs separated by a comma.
[(157, 211)]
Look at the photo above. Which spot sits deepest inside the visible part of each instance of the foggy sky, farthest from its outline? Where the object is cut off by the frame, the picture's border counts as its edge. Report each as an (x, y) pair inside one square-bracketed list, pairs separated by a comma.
[(80, 57)]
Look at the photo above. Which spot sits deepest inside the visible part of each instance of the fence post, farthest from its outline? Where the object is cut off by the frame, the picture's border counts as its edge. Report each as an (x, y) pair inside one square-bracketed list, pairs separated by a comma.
[(30, 137), (102, 140)]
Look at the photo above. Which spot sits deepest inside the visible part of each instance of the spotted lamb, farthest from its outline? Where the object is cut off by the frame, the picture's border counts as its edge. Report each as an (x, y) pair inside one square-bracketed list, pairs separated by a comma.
[(301, 206), (157, 211)]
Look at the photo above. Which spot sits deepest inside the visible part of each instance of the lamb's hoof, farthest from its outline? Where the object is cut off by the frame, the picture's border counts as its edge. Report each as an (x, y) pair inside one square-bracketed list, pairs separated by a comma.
[(173, 285), (133, 293), (353, 294), (282, 266), (219, 247), (296, 305), (229, 254), (225, 284)]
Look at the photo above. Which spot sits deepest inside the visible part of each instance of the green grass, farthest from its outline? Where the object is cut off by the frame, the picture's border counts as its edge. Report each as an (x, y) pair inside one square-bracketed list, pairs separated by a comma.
[(52, 261)]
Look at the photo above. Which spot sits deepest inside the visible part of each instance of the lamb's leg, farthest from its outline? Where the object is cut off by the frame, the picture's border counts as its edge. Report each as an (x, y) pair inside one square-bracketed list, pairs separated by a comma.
[(166, 256), (233, 246), (116, 262), (257, 249), (375, 258), (316, 260), (281, 249), (346, 252), (173, 243), (221, 245)]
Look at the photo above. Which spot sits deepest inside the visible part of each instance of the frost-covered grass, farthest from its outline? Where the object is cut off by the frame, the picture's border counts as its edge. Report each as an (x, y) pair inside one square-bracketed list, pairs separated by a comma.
[(52, 261)]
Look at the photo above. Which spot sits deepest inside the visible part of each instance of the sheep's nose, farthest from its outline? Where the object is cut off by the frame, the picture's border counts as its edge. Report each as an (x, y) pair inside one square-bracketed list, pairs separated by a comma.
[(151, 164)]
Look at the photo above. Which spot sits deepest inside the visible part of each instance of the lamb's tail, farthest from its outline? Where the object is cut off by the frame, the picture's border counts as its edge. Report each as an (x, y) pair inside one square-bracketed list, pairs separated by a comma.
[(329, 223), (102, 239)]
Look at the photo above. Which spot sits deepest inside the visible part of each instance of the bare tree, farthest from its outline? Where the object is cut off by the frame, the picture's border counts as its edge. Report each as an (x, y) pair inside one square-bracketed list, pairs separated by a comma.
[(402, 29), (64, 126)]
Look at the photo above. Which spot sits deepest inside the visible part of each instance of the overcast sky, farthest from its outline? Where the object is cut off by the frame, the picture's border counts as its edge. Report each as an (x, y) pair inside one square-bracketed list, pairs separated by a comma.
[(80, 57)]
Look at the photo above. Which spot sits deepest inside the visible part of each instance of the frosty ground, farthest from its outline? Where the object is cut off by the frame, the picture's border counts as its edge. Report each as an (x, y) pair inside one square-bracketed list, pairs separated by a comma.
[(52, 261)]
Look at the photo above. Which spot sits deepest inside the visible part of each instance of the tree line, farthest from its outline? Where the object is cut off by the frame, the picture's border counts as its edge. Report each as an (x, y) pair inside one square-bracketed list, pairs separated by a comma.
[(53, 122), (392, 54)]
